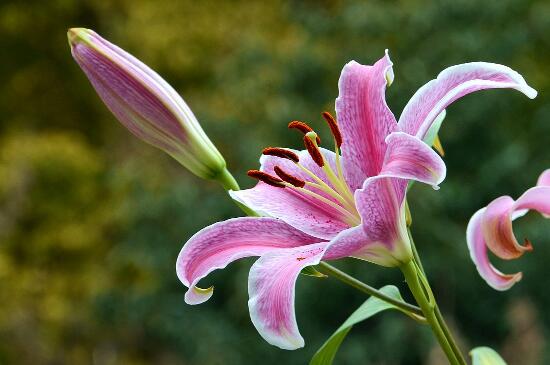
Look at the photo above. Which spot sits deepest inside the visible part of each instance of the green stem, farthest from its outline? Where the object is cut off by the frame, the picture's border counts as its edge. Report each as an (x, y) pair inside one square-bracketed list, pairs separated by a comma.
[(227, 180), (229, 183), (419, 292), (438, 314), (359, 285)]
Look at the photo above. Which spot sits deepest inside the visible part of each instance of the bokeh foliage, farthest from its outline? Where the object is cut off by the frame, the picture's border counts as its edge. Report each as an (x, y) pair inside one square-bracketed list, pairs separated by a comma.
[(91, 220)]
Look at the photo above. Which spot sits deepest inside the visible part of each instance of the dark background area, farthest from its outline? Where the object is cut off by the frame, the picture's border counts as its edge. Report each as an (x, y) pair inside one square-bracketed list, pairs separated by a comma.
[(92, 219)]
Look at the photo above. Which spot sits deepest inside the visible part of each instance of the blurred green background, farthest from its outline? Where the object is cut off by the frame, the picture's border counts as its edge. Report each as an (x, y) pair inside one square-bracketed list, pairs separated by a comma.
[(91, 219)]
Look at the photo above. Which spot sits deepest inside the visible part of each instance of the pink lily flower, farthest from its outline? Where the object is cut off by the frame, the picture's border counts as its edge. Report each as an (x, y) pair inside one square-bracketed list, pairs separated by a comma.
[(318, 205), (491, 227)]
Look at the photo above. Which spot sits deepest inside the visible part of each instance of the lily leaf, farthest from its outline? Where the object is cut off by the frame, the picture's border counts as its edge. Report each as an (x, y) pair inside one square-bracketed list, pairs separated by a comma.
[(312, 271), (486, 356), (325, 355)]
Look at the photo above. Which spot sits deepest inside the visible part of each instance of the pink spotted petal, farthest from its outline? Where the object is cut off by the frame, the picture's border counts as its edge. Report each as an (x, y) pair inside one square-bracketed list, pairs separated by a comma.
[(451, 84), (478, 252), (410, 158), (497, 229), (271, 291), (216, 246), (544, 178), (296, 208), (381, 205), (364, 118)]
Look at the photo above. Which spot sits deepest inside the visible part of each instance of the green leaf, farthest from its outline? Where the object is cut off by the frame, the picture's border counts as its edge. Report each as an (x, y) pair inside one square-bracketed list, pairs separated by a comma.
[(312, 271), (486, 356), (429, 139), (325, 355)]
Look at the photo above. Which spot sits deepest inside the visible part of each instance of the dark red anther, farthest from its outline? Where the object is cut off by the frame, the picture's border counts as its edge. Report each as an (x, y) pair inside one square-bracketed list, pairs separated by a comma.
[(302, 127), (333, 125), (293, 180), (282, 153), (314, 152), (266, 178)]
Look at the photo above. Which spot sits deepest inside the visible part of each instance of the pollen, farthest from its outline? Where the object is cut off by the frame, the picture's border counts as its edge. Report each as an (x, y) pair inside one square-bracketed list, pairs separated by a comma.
[(285, 176), (302, 127), (313, 150), (266, 178), (333, 125), (281, 152)]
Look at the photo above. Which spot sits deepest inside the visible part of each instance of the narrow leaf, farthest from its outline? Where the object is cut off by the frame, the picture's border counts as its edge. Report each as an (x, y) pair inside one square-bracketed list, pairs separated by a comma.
[(486, 356), (325, 355)]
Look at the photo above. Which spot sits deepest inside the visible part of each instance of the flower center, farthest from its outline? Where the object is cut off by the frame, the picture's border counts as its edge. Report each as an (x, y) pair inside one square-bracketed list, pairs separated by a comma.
[(330, 189)]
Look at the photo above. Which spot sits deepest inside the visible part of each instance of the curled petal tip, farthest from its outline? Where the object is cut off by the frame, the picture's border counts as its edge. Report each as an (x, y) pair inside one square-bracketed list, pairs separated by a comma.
[(544, 178), (508, 281), (196, 295), (527, 245), (530, 92)]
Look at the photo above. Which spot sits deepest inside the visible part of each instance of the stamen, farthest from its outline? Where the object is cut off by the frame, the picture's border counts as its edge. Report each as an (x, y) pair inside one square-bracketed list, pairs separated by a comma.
[(527, 245), (299, 183), (282, 153), (266, 178), (302, 127), (313, 150), (333, 125)]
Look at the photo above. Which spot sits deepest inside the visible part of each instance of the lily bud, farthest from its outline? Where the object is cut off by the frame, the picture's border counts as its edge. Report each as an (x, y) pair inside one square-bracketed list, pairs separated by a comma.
[(145, 104)]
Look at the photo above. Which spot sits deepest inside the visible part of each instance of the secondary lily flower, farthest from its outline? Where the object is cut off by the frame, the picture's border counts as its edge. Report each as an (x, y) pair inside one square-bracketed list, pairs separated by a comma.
[(144, 103), (319, 205), (491, 227)]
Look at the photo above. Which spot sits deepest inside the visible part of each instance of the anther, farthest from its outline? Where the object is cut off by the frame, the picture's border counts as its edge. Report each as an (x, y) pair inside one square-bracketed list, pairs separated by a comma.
[(266, 178), (313, 150), (281, 152), (333, 125), (527, 245), (302, 127), (285, 176)]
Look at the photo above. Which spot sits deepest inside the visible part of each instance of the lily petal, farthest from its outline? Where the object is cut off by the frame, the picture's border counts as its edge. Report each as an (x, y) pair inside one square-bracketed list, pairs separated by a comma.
[(354, 242), (271, 290), (308, 214), (410, 158), (537, 198), (497, 229), (453, 83), (364, 118), (381, 205), (478, 252), (544, 178), (215, 246)]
